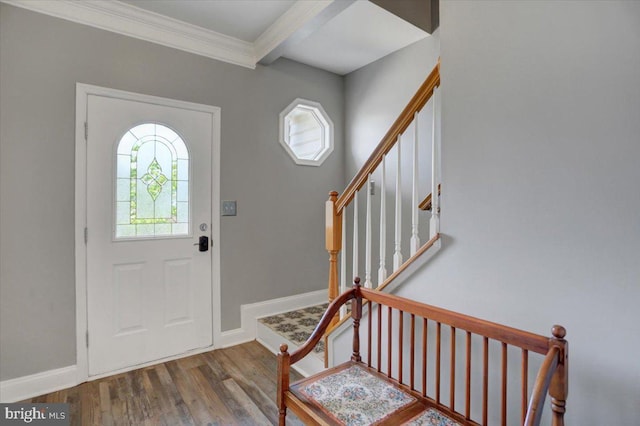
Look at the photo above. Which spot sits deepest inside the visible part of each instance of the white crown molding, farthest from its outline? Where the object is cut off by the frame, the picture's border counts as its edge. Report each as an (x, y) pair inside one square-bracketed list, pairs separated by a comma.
[(134, 22)]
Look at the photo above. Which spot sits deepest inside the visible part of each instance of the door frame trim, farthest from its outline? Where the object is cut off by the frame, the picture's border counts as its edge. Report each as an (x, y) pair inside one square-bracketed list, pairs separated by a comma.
[(82, 94)]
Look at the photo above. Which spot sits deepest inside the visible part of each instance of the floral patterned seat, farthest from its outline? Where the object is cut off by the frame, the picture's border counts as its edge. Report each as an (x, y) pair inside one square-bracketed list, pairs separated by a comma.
[(355, 395)]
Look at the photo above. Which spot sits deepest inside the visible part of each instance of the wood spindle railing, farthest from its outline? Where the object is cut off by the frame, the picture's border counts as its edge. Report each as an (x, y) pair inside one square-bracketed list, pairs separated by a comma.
[(367, 238), (467, 409), (524, 373), (389, 336), (414, 242), (412, 356), (438, 353), (503, 404), (382, 269), (401, 124), (434, 223), (485, 380), (425, 335), (336, 218), (356, 241), (343, 264), (379, 338), (452, 370), (400, 345), (397, 252), (370, 312)]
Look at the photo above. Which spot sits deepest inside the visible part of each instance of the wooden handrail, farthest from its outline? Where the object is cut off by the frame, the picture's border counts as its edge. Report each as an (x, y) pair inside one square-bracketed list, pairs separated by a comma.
[(511, 336), (416, 103), (426, 203)]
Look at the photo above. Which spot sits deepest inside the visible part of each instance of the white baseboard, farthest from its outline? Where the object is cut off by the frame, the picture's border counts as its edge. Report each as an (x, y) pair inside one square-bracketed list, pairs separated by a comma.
[(22, 388), (251, 312), (25, 387)]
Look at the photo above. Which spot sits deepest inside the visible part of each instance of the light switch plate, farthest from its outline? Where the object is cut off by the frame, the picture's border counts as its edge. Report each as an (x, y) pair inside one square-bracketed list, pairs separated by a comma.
[(228, 208)]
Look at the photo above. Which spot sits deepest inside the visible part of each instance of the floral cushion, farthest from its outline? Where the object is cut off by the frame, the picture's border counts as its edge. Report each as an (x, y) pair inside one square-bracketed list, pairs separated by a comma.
[(354, 396), (432, 417)]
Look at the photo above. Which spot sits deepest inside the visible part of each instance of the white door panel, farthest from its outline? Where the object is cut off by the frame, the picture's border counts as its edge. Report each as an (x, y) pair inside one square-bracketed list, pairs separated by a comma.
[(147, 297)]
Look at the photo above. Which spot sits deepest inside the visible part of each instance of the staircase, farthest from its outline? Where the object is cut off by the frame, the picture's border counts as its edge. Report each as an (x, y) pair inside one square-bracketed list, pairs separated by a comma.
[(389, 199), (401, 207)]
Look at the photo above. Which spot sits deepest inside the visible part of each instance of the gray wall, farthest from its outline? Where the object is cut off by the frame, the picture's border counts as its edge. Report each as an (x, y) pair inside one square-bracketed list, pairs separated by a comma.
[(273, 248), (377, 93), (540, 163)]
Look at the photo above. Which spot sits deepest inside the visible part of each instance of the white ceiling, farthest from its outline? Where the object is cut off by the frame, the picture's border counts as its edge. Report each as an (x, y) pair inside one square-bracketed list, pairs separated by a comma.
[(242, 19), (339, 36), (359, 35)]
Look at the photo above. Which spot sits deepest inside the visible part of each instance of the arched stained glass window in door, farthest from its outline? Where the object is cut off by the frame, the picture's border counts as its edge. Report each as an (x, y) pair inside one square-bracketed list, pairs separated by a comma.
[(152, 183)]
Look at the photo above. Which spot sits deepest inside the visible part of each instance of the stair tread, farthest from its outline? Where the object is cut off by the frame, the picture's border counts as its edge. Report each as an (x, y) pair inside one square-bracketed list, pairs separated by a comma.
[(296, 326)]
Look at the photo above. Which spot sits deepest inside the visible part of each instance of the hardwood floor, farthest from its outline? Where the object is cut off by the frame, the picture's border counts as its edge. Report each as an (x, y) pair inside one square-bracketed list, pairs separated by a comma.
[(232, 386)]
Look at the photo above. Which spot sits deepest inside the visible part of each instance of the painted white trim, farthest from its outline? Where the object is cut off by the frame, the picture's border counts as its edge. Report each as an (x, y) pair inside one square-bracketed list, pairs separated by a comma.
[(45, 382), (21, 388), (82, 363), (125, 19), (250, 313), (82, 93), (327, 130), (294, 19)]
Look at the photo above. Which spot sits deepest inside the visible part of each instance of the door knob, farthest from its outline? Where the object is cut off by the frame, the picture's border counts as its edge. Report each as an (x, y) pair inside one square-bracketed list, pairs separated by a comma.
[(203, 243)]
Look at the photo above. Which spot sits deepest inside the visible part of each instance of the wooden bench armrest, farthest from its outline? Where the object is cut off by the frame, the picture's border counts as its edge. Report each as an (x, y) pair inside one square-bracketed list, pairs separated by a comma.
[(541, 387), (322, 326), (552, 378)]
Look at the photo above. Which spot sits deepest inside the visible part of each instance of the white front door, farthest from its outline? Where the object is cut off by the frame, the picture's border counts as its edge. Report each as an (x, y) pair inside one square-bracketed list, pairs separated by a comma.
[(149, 189)]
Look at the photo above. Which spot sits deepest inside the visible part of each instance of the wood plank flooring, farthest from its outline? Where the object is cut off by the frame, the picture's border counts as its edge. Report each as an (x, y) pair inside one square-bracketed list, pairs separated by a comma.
[(232, 386)]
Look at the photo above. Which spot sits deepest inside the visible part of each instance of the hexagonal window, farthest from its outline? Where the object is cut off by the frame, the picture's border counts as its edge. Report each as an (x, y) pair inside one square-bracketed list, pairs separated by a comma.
[(306, 132)]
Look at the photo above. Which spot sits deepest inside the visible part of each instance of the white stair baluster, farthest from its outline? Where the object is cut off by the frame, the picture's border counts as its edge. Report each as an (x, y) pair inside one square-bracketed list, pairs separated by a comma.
[(397, 254), (434, 224), (415, 239), (382, 270), (354, 271), (367, 249), (343, 262)]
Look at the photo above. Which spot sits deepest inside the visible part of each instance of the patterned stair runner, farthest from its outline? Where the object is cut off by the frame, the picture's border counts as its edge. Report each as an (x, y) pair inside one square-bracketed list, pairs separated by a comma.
[(297, 326)]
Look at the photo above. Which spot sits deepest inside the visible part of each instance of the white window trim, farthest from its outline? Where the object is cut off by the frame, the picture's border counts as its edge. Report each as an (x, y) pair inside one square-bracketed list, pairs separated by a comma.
[(327, 132)]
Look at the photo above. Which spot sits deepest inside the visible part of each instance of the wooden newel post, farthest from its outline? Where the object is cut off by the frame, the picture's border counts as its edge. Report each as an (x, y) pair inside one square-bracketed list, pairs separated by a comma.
[(333, 237), (559, 387)]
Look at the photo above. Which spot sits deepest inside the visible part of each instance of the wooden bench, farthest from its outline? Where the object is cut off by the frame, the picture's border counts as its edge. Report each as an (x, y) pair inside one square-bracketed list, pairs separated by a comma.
[(401, 380)]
